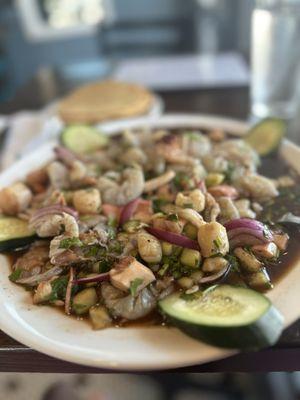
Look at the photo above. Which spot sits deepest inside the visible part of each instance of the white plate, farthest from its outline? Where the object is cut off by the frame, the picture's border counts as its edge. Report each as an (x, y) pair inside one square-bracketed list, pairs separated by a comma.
[(49, 331)]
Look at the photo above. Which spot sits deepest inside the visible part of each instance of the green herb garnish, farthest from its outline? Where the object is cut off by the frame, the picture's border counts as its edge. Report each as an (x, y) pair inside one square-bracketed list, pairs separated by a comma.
[(217, 243), (67, 243), (134, 286), (157, 204), (59, 288), (172, 217), (15, 275), (163, 269)]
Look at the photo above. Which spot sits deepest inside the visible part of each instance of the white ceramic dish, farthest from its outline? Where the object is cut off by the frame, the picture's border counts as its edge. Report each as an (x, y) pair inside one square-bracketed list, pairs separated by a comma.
[(50, 332)]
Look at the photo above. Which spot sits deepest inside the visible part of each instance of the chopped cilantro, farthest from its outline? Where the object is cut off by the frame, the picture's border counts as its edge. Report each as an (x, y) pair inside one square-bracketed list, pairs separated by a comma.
[(163, 269), (217, 243), (182, 181), (188, 205), (15, 275), (233, 262), (134, 286), (59, 287), (92, 251), (115, 247), (172, 217), (229, 172), (70, 242), (192, 136), (112, 228), (158, 203), (104, 265)]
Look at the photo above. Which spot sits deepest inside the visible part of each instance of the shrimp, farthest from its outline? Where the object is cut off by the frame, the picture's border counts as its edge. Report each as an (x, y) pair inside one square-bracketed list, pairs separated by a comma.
[(51, 225), (120, 194), (134, 155), (257, 187), (238, 152), (15, 198), (60, 256), (170, 148), (127, 306), (196, 144)]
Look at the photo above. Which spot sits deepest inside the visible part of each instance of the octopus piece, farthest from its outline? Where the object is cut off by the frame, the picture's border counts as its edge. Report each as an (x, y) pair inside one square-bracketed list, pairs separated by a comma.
[(33, 261), (212, 208), (155, 183), (244, 208), (58, 174), (122, 193), (87, 201), (228, 210)]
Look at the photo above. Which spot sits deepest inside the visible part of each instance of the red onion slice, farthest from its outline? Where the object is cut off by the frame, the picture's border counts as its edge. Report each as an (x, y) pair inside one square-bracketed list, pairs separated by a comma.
[(53, 209), (35, 279), (215, 277), (244, 223), (244, 240), (264, 235), (128, 211), (173, 238), (65, 155), (69, 292), (97, 278)]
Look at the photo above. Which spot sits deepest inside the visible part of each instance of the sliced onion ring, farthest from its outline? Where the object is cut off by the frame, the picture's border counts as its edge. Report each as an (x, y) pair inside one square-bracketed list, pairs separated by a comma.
[(97, 278), (128, 210), (53, 209), (264, 235), (214, 277), (65, 155), (173, 238), (247, 232), (244, 240), (244, 223)]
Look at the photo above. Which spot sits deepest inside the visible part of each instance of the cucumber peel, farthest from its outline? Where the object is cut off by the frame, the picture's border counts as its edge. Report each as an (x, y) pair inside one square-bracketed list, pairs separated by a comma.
[(265, 137), (82, 139), (226, 316), (14, 233)]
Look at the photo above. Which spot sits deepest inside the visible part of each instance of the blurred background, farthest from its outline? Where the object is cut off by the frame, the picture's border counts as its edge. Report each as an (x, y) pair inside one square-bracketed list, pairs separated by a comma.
[(272, 386), (87, 39)]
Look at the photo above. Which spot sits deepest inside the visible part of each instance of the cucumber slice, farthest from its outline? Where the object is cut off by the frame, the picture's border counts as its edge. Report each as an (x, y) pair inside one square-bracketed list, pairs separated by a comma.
[(14, 233), (83, 138), (226, 316), (266, 136), (84, 300)]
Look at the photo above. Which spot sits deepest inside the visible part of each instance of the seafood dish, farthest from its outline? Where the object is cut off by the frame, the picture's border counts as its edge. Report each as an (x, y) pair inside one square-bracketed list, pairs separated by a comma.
[(177, 227)]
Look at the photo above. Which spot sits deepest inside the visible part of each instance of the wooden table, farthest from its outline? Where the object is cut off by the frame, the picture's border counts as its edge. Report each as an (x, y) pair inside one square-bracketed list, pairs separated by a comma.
[(227, 102)]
